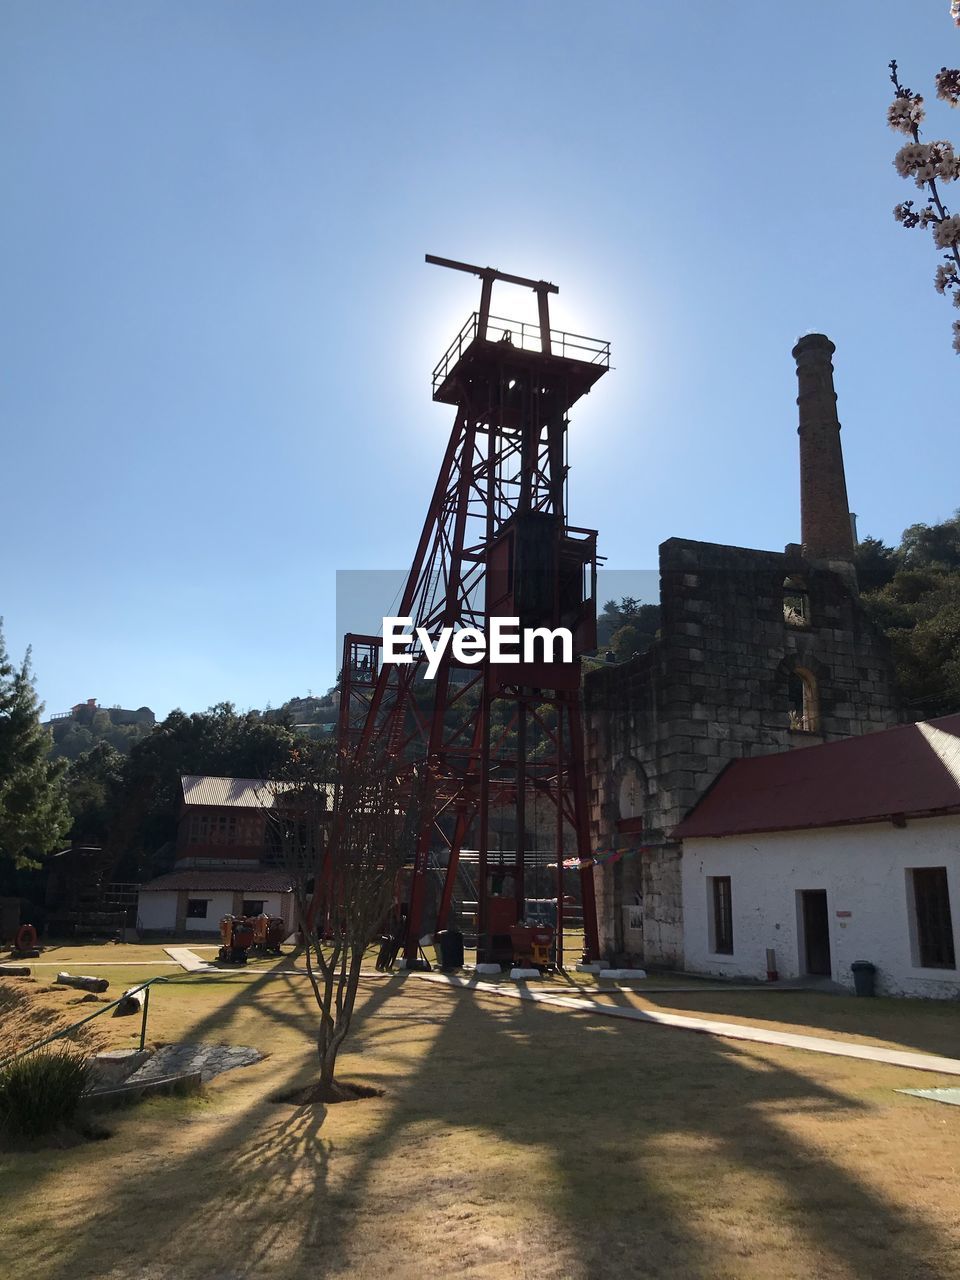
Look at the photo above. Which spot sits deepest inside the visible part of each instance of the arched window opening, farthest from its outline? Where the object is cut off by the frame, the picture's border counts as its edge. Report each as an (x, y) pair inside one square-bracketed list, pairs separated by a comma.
[(796, 602), (802, 693)]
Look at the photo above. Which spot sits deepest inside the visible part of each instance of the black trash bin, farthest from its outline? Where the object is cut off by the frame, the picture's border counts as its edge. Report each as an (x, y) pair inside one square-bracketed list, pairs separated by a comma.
[(449, 944), (864, 977)]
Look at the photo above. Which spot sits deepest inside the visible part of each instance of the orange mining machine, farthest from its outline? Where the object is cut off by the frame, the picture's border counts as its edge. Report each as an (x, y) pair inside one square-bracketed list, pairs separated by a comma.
[(533, 946), (262, 935)]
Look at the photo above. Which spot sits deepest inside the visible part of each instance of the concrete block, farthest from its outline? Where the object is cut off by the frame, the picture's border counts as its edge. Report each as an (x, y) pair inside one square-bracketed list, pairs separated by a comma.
[(525, 973), (623, 974), (590, 968), (488, 968), (114, 1066)]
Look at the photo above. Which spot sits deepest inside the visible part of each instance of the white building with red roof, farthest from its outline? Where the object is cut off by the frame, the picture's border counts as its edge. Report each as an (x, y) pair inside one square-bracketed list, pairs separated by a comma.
[(807, 861)]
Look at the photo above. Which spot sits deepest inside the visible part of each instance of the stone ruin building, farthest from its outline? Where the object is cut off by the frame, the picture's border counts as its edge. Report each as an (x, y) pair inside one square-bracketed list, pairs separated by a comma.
[(758, 652)]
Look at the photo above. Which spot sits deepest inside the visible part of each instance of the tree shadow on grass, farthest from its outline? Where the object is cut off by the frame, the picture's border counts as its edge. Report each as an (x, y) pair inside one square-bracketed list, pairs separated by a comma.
[(601, 1148), (595, 1112), (246, 991)]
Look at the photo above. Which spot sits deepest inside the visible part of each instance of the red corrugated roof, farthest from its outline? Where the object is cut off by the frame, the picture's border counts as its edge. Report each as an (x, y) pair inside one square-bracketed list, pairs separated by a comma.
[(911, 770), (267, 881)]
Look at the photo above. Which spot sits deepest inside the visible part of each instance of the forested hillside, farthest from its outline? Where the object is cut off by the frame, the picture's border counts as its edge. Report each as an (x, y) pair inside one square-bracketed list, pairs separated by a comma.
[(912, 592)]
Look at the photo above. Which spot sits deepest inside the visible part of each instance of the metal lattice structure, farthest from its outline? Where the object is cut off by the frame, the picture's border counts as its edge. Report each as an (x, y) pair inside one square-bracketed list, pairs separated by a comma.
[(497, 748)]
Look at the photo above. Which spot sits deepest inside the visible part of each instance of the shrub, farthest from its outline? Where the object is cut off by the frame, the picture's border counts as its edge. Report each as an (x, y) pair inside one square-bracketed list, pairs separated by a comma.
[(41, 1092)]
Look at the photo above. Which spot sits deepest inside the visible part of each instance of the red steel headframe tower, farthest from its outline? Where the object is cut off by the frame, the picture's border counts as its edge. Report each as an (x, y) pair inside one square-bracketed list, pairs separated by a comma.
[(497, 748)]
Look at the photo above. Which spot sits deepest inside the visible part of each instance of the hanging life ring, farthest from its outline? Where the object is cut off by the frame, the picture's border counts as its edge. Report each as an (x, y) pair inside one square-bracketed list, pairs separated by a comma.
[(26, 939)]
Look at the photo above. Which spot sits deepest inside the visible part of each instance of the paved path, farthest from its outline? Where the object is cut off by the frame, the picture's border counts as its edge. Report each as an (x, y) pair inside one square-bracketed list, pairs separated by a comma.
[(98, 964), (189, 960), (181, 1059), (709, 1026)]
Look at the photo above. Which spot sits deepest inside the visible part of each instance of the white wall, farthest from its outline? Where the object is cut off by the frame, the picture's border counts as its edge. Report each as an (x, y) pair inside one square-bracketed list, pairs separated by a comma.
[(870, 911), (275, 904), (218, 905), (157, 910)]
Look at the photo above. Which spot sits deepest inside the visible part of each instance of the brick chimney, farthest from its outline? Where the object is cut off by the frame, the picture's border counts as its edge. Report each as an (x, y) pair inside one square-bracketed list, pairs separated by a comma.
[(825, 526)]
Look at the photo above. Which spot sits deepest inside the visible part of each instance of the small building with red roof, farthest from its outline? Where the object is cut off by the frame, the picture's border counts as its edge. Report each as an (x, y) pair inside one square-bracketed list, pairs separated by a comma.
[(804, 862)]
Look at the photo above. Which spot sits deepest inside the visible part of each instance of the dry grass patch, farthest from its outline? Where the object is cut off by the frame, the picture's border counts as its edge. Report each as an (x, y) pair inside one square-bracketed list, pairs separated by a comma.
[(511, 1140), (30, 1011), (68, 954)]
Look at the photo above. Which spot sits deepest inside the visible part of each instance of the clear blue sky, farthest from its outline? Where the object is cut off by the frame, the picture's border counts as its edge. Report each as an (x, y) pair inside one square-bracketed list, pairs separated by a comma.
[(217, 329)]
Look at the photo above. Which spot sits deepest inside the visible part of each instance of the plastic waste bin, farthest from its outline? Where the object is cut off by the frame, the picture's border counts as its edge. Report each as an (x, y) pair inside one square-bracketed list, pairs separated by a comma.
[(864, 977), (449, 944)]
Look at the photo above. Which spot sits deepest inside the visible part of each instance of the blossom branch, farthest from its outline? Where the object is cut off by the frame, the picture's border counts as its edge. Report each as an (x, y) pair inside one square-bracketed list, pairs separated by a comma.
[(926, 163)]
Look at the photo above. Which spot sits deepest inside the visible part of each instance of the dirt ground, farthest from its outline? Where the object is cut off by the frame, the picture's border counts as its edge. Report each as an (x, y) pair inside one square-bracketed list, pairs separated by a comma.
[(511, 1141)]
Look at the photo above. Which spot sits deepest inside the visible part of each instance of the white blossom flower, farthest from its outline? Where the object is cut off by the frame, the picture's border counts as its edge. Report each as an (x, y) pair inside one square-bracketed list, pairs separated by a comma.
[(955, 11), (926, 172), (956, 336), (905, 112), (911, 157), (944, 161), (946, 234), (925, 161), (945, 278), (948, 85)]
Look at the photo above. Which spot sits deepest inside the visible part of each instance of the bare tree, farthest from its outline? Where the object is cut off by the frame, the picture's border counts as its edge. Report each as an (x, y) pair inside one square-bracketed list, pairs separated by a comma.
[(345, 830)]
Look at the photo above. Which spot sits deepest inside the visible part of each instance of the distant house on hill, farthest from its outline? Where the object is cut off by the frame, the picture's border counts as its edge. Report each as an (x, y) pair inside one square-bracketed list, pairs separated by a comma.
[(84, 712), (225, 863), (841, 852), (87, 724)]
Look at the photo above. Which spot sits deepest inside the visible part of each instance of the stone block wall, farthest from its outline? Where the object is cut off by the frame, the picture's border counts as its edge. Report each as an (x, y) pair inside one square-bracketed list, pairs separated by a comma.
[(714, 688)]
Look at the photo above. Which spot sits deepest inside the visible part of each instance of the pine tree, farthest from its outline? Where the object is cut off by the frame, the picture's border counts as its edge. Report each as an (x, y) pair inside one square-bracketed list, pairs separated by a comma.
[(34, 817)]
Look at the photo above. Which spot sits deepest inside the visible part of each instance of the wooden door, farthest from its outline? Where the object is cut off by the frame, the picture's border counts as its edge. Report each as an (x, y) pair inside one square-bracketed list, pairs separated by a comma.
[(816, 932)]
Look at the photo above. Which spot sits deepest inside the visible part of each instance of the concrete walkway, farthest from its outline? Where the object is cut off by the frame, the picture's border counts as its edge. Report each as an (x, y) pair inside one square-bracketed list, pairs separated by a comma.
[(189, 960), (100, 964), (709, 1026)]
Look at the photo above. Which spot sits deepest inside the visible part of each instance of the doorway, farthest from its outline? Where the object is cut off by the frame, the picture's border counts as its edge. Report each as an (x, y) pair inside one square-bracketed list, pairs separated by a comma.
[(816, 932)]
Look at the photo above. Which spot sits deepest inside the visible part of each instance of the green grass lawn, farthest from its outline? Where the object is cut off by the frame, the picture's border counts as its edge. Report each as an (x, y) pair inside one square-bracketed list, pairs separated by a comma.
[(511, 1141)]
